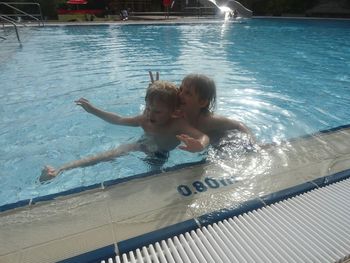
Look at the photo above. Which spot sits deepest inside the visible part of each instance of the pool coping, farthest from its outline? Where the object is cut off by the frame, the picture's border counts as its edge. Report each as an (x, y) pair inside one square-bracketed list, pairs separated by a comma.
[(112, 182), (152, 237)]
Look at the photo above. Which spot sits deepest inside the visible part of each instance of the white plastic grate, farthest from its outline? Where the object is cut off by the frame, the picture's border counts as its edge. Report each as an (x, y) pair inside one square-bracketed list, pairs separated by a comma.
[(312, 227)]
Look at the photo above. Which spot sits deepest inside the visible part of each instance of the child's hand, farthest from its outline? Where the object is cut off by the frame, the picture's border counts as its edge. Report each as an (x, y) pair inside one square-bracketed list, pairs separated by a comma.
[(190, 144), (85, 104), (47, 173)]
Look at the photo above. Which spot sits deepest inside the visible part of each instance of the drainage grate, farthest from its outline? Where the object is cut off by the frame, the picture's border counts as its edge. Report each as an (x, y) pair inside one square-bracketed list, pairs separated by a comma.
[(312, 227)]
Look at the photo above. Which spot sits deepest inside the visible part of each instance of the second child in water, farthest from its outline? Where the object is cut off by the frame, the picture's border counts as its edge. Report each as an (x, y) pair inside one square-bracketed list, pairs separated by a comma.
[(197, 98)]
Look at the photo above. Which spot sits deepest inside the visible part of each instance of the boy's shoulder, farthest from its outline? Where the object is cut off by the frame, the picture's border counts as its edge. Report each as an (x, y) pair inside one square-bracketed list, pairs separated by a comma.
[(211, 119), (218, 122)]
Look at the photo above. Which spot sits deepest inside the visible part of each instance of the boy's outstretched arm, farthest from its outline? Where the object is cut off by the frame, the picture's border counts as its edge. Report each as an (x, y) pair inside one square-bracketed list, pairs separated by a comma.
[(108, 116), (49, 172)]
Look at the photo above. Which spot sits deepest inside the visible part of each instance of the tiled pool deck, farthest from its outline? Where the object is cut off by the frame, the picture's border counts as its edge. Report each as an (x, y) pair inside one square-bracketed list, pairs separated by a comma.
[(69, 226)]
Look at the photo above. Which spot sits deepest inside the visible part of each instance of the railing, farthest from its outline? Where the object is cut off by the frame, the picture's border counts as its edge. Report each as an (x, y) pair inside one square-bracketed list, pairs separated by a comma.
[(3, 18), (13, 20), (20, 13)]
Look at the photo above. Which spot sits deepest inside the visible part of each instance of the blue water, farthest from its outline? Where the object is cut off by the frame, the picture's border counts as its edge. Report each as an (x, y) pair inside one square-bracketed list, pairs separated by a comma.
[(283, 78)]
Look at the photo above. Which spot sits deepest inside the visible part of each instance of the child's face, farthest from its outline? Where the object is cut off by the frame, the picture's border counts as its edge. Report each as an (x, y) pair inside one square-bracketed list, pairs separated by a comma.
[(158, 113), (189, 99)]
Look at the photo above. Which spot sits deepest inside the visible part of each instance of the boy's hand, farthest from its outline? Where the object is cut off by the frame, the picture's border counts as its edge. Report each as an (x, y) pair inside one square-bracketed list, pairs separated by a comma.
[(47, 173), (190, 144), (85, 104)]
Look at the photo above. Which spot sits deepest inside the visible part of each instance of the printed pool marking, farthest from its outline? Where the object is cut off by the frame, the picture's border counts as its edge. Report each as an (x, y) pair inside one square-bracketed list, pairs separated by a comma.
[(200, 187)]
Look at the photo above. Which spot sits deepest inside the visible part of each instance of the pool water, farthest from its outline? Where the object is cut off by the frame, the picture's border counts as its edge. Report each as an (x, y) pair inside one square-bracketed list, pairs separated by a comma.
[(283, 78)]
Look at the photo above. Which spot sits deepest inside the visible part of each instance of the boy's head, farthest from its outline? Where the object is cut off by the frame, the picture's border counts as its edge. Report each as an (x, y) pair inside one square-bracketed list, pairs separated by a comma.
[(161, 101), (202, 88)]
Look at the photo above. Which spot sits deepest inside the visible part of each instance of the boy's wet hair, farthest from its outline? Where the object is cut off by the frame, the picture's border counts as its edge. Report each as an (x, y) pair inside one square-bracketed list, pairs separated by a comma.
[(205, 89), (163, 91)]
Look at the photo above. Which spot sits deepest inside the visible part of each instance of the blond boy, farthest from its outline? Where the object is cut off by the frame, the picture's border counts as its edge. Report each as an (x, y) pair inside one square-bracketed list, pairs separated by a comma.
[(163, 130)]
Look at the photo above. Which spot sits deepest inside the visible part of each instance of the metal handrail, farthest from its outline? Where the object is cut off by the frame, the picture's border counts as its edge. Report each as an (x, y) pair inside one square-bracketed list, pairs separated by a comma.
[(14, 24), (13, 20), (10, 5)]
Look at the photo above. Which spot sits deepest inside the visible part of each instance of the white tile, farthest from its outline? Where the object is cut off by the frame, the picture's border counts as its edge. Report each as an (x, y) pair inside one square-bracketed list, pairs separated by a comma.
[(151, 221), (11, 258), (57, 219), (70, 246)]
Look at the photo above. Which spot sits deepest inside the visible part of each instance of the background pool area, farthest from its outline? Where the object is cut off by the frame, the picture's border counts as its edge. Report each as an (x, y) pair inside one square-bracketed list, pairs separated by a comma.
[(283, 78)]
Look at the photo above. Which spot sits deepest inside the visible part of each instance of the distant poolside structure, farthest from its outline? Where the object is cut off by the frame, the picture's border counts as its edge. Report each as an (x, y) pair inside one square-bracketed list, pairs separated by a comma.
[(232, 6)]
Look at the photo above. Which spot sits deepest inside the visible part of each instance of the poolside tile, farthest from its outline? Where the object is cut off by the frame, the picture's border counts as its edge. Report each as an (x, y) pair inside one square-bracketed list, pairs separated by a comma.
[(151, 221), (142, 196), (151, 203), (11, 258), (70, 246), (217, 201), (50, 221), (339, 164), (340, 141), (9, 231), (273, 169)]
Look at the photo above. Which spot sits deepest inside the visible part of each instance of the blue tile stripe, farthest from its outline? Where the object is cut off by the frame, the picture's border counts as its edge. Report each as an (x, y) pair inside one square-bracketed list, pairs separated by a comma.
[(330, 179), (222, 214), (288, 193), (64, 193), (93, 256), (18, 204)]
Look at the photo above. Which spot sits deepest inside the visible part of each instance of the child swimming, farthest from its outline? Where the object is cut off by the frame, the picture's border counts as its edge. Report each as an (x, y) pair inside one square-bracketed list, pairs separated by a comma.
[(163, 130), (197, 95), (197, 102)]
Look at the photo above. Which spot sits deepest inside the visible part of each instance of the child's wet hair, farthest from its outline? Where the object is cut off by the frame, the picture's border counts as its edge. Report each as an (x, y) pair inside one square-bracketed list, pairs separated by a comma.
[(204, 87), (163, 91)]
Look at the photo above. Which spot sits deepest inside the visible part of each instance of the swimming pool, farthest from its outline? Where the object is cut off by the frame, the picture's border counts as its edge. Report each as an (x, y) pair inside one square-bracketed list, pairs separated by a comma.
[(283, 78)]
